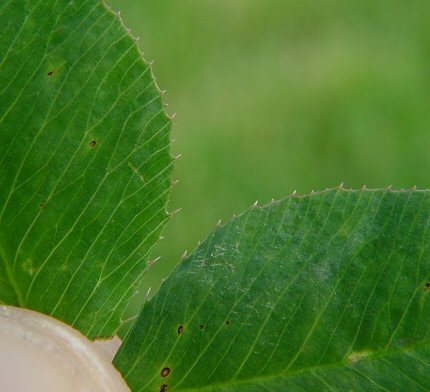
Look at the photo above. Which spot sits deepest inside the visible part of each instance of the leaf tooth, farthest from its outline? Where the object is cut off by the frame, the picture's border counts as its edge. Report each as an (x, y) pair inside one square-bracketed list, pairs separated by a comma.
[(119, 17), (173, 213), (152, 262), (109, 8), (146, 295), (184, 255), (127, 320)]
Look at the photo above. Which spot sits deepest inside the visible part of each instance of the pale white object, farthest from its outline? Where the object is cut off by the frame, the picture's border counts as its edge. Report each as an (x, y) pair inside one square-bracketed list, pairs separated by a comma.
[(108, 347), (41, 354)]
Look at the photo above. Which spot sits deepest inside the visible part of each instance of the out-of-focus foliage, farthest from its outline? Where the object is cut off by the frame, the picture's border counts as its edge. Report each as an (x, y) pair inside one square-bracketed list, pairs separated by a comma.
[(277, 95)]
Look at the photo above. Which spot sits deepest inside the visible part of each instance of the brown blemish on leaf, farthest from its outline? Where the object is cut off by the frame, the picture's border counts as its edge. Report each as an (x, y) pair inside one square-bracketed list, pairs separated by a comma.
[(93, 144), (52, 72), (180, 329), (163, 388), (357, 356), (202, 326), (165, 372), (427, 286), (42, 205), (227, 322)]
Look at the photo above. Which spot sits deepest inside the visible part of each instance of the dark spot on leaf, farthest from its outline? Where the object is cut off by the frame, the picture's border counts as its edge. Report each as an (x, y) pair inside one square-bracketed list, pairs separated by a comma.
[(93, 144), (163, 388), (42, 205), (180, 329), (52, 72), (427, 286), (165, 372), (227, 322), (202, 326)]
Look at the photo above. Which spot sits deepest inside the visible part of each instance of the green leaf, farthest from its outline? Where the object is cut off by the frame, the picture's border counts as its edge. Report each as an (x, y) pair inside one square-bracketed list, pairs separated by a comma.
[(327, 292), (84, 162)]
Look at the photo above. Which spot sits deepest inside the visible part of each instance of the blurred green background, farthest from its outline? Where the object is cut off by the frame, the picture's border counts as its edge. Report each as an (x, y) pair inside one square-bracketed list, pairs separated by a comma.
[(274, 96)]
